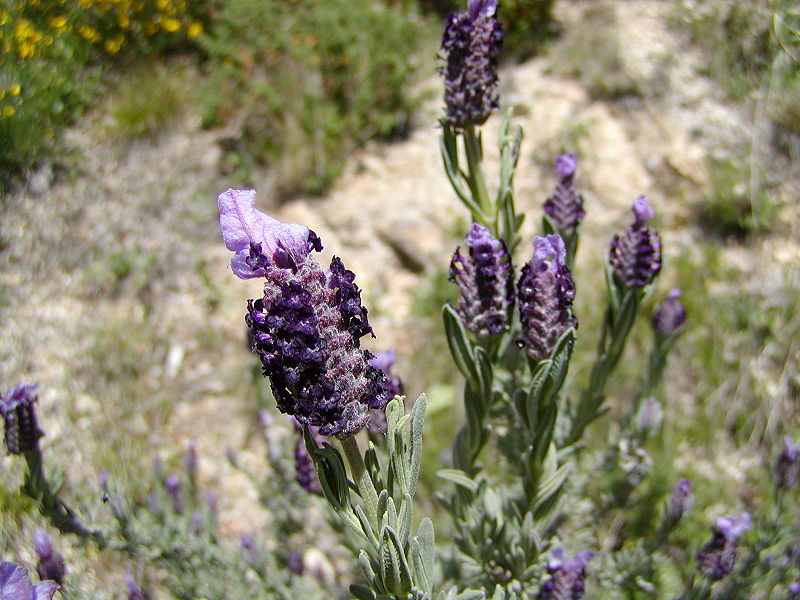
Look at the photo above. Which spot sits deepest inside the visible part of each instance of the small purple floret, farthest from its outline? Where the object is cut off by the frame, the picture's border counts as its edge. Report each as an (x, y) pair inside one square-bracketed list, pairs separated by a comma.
[(635, 253), (787, 467), (305, 475), (718, 557), (471, 44), (545, 293), (51, 564), (566, 576), (565, 206), (679, 501), (22, 431), (15, 584), (670, 315), (485, 280)]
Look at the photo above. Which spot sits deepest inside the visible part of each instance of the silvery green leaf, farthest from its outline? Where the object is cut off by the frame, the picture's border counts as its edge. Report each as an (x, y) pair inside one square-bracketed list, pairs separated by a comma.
[(417, 425), (366, 528), (559, 364), (535, 394), (449, 151), (365, 563), (396, 572), (425, 537), (484, 371), (362, 592), (394, 412), (383, 500), (551, 485), (418, 566), (449, 595), (404, 518), (470, 595), (373, 465), (499, 593), (493, 504), (459, 478), (391, 513), (460, 346)]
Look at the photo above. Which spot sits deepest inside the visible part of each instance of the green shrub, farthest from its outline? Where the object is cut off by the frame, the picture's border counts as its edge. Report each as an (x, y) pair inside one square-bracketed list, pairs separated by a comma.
[(310, 81)]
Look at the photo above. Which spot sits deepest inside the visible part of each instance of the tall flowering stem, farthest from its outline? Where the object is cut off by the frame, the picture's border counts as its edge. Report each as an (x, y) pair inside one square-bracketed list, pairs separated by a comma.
[(634, 263)]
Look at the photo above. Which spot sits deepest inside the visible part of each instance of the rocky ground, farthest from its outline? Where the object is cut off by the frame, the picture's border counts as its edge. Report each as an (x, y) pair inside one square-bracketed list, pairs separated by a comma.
[(117, 298)]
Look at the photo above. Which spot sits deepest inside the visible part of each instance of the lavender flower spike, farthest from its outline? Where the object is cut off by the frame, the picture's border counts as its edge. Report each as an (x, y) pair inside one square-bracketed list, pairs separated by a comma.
[(486, 282), (566, 576), (679, 501), (670, 315), (22, 432), (471, 43), (635, 253), (257, 239), (565, 206), (787, 467), (545, 293), (307, 326), (16, 585), (718, 556), (51, 564)]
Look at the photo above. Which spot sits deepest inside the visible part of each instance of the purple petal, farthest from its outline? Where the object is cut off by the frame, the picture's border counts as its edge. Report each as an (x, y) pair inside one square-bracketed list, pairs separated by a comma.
[(14, 582), (566, 164), (44, 590), (482, 8), (642, 210), (383, 361), (243, 225)]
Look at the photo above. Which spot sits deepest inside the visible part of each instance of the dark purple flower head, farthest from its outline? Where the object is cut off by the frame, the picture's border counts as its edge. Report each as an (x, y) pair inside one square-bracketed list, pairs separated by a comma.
[(718, 556), (305, 474), (679, 501), (787, 467), (670, 315), (51, 564), (565, 206), (566, 576), (545, 294), (306, 328), (16, 585), (485, 280), (22, 432), (635, 253), (471, 44)]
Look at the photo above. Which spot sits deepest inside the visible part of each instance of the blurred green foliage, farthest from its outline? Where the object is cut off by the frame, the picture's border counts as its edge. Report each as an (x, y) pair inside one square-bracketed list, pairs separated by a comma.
[(307, 81)]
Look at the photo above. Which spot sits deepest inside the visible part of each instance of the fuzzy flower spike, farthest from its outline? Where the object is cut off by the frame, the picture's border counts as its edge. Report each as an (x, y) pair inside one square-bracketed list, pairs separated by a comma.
[(635, 253), (565, 206), (567, 576), (718, 557), (545, 293), (471, 43), (486, 281), (307, 326), (18, 409)]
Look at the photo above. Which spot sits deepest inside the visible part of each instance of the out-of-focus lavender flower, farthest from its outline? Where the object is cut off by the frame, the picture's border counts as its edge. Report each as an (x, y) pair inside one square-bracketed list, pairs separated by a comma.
[(649, 416), (252, 549), (295, 563), (794, 590), (190, 460), (16, 585), (134, 591), (22, 432), (307, 326), (545, 293), (51, 564), (679, 502), (718, 556), (565, 206), (384, 361), (485, 280), (787, 467), (636, 253), (173, 486), (670, 315), (212, 502), (566, 576), (305, 474), (196, 525), (471, 43)]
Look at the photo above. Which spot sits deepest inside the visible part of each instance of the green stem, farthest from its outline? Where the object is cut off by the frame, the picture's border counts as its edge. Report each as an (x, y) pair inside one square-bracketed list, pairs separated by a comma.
[(362, 479), (476, 182)]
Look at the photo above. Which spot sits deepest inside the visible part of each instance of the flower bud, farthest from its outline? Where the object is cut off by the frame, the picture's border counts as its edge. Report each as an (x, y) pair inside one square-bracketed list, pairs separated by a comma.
[(51, 564), (173, 486), (22, 432), (679, 502), (635, 253), (670, 315), (565, 206), (545, 293)]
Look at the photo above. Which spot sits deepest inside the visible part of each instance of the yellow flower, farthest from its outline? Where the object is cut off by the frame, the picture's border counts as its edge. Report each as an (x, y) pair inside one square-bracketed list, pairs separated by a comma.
[(15, 89), (2, 94), (88, 33), (124, 21), (162, 4), (9, 111), (194, 30), (26, 50), (171, 25), (114, 44), (3, 17), (58, 22)]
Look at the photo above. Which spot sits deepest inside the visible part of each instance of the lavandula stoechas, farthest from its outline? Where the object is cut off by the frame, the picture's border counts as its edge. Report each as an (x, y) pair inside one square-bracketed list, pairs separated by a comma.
[(485, 280), (545, 293), (718, 556), (471, 43), (635, 253), (566, 576), (565, 205), (22, 431), (679, 502), (50, 564), (670, 315), (306, 328)]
